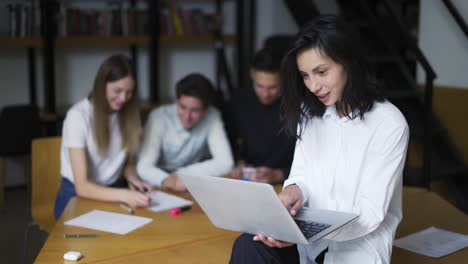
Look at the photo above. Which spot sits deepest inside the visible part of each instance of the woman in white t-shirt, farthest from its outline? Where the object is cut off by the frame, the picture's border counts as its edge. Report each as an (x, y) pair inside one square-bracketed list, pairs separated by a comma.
[(350, 151), (100, 138)]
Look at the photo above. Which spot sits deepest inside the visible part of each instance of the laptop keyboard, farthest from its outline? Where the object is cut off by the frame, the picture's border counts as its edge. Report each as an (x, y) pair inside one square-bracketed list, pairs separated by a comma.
[(310, 229)]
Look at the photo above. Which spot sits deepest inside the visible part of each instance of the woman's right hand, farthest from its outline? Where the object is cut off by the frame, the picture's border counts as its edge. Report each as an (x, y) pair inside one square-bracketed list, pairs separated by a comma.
[(292, 198), (136, 199)]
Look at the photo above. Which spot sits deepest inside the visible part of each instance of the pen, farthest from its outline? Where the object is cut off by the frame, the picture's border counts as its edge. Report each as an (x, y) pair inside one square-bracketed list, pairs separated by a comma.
[(79, 235), (126, 207), (144, 191), (179, 210)]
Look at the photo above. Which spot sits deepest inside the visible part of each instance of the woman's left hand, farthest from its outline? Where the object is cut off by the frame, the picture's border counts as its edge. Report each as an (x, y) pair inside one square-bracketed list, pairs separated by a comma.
[(271, 242)]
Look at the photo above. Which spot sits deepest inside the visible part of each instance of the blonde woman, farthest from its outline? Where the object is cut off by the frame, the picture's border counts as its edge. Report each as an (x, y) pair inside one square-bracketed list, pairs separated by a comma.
[(99, 140)]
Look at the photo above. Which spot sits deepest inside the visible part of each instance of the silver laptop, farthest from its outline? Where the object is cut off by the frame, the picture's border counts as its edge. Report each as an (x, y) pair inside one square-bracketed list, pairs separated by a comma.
[(254, 208)]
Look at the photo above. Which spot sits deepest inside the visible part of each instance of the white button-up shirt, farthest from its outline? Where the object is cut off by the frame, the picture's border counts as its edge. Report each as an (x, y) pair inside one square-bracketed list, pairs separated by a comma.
[(354, 166), (203, 150)]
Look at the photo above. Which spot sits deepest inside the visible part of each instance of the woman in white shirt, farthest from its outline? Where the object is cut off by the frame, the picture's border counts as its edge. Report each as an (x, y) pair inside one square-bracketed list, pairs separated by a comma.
[(100, 138), (350, 151)]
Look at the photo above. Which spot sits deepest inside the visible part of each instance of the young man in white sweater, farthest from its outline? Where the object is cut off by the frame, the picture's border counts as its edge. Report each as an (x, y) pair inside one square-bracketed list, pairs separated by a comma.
[(185, 138)]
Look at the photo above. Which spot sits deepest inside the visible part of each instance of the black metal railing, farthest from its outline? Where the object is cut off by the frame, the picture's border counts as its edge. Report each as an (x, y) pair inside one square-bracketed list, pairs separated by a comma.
[(430, 76), (428, 92), (456, 15)]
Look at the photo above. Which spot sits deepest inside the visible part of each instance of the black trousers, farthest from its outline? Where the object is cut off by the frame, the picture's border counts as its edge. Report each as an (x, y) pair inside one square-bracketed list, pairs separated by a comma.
[(246, 250)]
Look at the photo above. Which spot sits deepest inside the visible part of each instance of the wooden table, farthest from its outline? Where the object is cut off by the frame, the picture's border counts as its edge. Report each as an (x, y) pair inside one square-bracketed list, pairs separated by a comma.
[(186, 238), (191, 238), (423, 209)]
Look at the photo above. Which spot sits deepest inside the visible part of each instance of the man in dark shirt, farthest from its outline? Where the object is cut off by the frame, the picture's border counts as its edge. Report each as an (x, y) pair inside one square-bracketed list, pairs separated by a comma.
[(263, 152)]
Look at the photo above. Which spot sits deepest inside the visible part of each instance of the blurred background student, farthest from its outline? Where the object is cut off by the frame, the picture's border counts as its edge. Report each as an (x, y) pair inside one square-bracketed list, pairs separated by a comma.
[(263, 151), (100, 138), (185, 138)]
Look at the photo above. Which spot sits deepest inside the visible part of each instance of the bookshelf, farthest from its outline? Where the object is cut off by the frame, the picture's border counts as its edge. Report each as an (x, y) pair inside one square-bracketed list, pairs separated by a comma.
[(194, 39), (74, 27), (23, 42), (19, 29), (154, 39), (71, 41)]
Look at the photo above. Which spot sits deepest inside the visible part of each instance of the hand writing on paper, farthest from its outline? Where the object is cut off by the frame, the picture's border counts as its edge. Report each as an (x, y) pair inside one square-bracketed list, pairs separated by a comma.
[(135, 198), (140, 186)]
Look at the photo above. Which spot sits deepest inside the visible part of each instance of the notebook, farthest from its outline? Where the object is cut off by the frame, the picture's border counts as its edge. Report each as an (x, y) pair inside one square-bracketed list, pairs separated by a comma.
[(254, 208)]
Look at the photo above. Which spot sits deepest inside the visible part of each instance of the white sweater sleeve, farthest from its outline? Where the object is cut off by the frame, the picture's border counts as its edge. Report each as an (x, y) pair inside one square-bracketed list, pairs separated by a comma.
[(150, 152), (221, 160)]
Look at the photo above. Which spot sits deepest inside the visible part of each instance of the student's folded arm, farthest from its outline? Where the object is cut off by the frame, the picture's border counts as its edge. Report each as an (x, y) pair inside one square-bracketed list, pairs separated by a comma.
[(298, 171), (381, 178), (221, 161), (150, 153)]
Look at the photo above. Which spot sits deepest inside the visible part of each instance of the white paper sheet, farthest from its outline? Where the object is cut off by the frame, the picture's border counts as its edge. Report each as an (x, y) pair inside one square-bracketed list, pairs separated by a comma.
[(109, 222), (433, 242), (162, 201)]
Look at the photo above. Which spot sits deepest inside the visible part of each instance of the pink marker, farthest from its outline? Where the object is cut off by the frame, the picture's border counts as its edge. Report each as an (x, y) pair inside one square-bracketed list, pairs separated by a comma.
[(177, 211)]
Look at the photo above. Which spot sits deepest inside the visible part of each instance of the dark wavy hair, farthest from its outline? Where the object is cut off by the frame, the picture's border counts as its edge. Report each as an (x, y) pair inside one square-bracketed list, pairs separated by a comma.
[(335, 39)]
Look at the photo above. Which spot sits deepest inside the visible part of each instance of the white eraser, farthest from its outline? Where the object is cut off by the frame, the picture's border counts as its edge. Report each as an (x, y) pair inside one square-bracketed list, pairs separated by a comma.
[(72, 255)]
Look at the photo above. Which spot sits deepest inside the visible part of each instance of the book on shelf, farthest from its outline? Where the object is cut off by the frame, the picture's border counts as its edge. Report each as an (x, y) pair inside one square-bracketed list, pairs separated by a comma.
[(185, 21), (165, 22), (116, 18), (185, 17), (175, 21), (104, 18), (20, 19)]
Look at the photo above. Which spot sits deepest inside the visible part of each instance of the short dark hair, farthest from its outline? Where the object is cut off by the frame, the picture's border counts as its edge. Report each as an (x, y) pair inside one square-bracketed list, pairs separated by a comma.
[(279, 44), (266, 60), (198, 86), (335, 39)]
